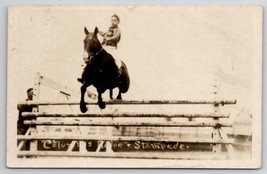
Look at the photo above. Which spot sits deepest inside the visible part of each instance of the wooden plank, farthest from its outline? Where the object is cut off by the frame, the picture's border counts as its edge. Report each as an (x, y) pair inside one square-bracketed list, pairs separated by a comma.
[(146, 155), (20, 145), (123, 138), (71, 146), (129, 114), (62, 88), (132, 102), (78, 122)]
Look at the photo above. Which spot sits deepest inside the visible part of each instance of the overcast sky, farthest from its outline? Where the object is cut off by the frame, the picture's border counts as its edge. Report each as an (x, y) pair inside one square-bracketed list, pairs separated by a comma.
[(171, 52)]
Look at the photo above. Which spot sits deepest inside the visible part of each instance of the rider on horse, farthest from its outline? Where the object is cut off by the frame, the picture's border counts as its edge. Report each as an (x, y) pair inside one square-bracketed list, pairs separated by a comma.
[(110, 41)]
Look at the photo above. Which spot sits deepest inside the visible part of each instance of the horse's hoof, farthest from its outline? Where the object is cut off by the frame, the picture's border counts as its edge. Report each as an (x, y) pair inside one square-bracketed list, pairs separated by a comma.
[(102, 105), (119, 98), (83, 109)]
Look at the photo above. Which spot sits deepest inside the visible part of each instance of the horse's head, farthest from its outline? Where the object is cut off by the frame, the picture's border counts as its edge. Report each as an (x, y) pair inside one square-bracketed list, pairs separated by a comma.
[(92, 45)]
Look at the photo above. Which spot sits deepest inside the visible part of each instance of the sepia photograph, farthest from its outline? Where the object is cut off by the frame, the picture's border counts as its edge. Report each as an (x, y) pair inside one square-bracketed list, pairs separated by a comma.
[(134, 86)]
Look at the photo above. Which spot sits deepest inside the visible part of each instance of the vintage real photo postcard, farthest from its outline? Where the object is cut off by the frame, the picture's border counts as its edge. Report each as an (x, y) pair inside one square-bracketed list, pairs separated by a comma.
[(134, 86)]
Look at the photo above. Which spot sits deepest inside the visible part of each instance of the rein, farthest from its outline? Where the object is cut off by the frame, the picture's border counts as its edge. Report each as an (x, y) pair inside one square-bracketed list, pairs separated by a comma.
[(99, 51), (93, 56)]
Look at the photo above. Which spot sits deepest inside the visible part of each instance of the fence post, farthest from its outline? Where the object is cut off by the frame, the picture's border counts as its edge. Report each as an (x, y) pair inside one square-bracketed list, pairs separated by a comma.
[(36, 94), (217, 148)]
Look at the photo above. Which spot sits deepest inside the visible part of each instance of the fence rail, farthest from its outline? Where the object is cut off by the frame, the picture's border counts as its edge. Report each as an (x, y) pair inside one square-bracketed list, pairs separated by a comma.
[(127, 155), (133, 102), (125, 114), (78, 122)]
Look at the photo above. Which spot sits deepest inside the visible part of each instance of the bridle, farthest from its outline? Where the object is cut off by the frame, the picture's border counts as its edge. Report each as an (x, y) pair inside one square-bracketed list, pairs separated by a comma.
[(95, 54), (99, 51)]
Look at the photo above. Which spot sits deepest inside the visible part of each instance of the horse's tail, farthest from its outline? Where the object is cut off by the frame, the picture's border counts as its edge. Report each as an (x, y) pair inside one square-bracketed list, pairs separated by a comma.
[(124, 78)]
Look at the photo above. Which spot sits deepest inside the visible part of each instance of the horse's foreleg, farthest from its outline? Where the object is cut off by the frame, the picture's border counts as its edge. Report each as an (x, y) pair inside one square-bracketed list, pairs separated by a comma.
[(101, 104), (82, 102)]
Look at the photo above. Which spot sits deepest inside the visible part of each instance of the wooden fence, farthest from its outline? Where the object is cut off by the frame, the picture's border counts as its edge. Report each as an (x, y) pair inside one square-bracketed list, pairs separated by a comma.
[(108, 145)]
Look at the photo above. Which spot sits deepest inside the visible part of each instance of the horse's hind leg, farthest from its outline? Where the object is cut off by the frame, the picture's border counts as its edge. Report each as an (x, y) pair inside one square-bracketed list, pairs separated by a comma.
[(101, 104), (119, 95), (111, 93)]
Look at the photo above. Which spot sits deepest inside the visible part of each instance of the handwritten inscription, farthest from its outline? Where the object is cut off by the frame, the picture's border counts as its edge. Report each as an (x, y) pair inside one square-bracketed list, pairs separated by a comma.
[(63, 145)]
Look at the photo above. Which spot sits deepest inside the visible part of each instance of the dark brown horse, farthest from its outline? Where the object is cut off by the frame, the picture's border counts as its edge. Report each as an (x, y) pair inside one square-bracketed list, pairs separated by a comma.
[(101, 71)]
